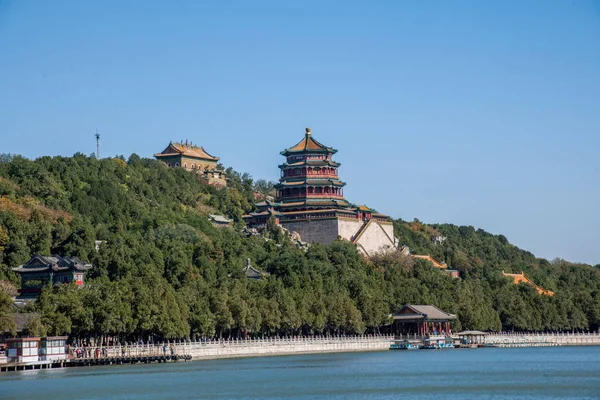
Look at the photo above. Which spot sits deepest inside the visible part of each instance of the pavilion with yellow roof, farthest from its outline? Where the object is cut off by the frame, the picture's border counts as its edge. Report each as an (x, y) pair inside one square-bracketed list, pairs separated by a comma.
[(310, 201), (195, 159)]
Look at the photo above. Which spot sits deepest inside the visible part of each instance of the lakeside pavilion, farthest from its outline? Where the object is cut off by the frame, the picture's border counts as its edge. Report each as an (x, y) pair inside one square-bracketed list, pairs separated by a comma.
[(422, 320)]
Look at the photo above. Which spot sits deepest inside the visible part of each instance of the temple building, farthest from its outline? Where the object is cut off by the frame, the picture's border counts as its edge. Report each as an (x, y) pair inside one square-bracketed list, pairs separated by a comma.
[(422, 320), (195, 159), (42, 270), (310, 201)]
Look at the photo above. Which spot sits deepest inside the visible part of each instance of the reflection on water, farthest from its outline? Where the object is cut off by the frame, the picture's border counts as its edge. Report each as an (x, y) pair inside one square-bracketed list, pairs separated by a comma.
[(535, 373)]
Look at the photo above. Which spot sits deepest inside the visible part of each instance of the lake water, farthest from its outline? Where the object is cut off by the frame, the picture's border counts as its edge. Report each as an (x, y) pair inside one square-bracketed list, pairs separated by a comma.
[(524, 373)]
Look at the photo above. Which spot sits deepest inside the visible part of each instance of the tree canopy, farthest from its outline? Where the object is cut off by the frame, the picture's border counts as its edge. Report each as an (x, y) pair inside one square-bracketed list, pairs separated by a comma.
[(163, 270)]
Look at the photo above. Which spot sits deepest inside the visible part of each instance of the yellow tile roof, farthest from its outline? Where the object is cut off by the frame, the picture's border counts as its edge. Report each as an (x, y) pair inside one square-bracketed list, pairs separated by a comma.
[(309, 143), (184, 149)]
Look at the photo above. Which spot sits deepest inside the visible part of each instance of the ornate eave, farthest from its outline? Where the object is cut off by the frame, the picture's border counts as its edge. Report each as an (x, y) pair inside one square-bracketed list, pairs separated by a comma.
[(310, 163), (40, 263), (309, 182), (187, 150), (308, 145)]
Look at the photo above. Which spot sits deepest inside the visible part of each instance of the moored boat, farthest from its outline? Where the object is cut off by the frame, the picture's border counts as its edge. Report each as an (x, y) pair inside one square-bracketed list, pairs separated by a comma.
[(437, 342), (405, 344)]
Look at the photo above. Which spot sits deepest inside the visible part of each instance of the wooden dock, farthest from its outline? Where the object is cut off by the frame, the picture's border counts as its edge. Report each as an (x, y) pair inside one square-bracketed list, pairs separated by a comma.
[(81, 362), (32, 365)]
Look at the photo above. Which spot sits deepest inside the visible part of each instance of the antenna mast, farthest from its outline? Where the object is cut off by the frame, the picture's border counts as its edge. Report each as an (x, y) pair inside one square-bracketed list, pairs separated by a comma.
[(97, 144)]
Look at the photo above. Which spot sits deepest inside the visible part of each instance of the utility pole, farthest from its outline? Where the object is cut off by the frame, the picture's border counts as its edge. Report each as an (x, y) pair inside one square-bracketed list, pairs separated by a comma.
[(97, 145)]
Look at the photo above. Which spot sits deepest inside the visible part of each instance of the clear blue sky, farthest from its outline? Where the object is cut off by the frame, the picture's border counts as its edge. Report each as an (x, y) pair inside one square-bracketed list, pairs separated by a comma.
[(470, 112)]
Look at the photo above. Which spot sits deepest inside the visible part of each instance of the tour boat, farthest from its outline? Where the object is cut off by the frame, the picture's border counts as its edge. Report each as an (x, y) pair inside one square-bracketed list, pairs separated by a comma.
[(405, 344), (437, 342)]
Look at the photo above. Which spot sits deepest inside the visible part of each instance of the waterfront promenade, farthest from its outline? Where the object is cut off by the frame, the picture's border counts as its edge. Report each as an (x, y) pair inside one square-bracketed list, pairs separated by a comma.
[(200, 350), (332, 344), (512, 339), (216, 349), (541, 339)]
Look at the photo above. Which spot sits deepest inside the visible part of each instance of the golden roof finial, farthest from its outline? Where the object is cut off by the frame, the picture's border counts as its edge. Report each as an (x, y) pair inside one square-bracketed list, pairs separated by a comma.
[(308, 131)]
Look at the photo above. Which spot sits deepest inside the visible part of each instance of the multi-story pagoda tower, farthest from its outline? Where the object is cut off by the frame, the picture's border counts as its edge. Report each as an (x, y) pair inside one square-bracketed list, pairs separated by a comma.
[(310, 201), (309, 177)]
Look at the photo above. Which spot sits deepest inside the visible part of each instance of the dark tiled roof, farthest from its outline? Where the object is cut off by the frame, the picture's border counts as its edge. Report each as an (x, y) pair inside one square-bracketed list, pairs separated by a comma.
[(310, 181), (422, 312), (314, 163), (251, 272), (54, 263)]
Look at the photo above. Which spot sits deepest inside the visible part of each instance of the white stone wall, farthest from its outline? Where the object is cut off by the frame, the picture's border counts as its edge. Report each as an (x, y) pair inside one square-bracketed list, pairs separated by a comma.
[(374, 239), (377, 237), (284, 347), (348, 227), (258, 347)]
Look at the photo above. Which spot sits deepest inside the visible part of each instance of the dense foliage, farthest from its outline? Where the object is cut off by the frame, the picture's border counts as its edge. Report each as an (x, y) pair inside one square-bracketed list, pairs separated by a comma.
[(163, 270)]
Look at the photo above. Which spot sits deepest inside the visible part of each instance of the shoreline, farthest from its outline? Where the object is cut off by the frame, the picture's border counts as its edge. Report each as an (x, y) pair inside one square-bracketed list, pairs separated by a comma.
[(231, 349)]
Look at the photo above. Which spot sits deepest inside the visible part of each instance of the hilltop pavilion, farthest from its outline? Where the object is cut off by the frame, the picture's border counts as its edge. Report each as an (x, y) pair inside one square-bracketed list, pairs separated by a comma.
[(310, 201), (195, 159)]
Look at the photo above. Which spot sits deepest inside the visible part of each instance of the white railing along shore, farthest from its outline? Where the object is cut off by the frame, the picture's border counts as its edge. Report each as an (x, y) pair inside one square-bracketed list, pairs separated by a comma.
[(182, 347)]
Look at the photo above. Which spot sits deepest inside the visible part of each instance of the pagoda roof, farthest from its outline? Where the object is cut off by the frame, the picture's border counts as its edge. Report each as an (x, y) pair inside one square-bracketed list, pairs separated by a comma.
[(320, 202), (253, 273), (411, 312), (308, 145), (53, 263), (323, 210), (317, 163), (310, 181), (266, 203), (186, 149), (364, 208), (263, 213)]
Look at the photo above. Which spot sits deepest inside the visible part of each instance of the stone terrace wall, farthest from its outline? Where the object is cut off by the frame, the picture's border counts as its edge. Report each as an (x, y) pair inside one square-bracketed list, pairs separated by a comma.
[(322, 231)]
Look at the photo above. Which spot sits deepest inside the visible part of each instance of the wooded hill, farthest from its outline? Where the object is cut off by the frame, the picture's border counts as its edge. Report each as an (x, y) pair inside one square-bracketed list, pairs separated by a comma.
[(165, 271)]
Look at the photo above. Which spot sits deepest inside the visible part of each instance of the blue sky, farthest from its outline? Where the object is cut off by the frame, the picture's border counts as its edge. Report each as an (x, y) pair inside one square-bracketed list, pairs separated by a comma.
[(468, 112)]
